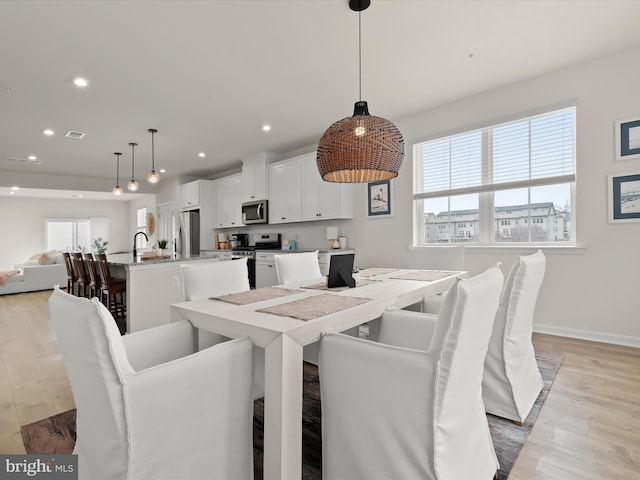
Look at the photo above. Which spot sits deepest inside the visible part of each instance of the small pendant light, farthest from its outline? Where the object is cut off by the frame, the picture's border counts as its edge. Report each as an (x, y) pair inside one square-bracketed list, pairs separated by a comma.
[(153, 176), (132, 185), (117, 190), (361, 148)]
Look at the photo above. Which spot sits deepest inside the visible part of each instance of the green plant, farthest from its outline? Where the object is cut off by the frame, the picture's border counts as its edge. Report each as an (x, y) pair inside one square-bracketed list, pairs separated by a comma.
[(99, 245), (162, 244)]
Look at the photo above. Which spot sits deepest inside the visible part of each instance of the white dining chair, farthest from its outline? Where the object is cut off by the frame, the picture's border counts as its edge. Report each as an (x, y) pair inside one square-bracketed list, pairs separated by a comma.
[(390, 411), (214, 279), (300, 269), (449, 257), (149, 405), (512, 381)]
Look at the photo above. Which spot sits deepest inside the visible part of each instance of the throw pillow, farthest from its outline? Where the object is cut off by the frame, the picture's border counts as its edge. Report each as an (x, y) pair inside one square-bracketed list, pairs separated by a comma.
[(47, 258)]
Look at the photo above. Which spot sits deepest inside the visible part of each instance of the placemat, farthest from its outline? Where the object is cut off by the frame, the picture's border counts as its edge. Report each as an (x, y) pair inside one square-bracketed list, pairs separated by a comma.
[(255, 296), (314, 307), (323, 286), (425, 275), (372, 272)]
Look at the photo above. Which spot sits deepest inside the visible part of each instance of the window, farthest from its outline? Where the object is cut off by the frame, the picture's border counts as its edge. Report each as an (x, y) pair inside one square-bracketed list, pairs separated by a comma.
[(507, 183), (141, 226), (68, 234)]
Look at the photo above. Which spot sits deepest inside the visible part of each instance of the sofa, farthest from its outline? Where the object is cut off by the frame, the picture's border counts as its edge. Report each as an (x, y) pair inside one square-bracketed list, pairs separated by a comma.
[(41, 272)]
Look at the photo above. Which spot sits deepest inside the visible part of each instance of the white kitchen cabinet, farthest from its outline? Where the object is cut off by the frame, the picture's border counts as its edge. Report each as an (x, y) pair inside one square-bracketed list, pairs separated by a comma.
[(228, 200), (190, 195), (285, 191), (323, 200), (255, 179), (266, 275)]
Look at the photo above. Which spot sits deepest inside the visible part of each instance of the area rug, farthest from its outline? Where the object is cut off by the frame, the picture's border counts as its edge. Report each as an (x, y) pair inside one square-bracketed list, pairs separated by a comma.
[(57, 434)]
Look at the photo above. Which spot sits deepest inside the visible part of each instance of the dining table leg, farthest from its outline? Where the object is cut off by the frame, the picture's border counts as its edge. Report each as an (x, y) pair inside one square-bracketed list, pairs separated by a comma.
[(283, 410)]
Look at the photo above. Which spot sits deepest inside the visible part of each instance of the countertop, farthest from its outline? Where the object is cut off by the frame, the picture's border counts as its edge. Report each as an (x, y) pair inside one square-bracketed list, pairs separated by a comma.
[(127, 260), (303, 250)]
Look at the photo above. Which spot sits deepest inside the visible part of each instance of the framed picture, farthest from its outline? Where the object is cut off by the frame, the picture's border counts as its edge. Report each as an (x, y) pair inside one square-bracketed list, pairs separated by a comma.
[(379, 198), (624, 197), (628, 139)]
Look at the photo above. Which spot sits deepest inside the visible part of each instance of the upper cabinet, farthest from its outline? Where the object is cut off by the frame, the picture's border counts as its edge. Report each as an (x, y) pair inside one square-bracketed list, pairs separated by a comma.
[(323, 200), (255, 177), (298, 193), (190, 195), (227, 205), (285, 191)]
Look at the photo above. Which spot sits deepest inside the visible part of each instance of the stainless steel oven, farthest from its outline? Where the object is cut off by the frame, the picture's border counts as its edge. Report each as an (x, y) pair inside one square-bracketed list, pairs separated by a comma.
[(255, 212), (269, 241)]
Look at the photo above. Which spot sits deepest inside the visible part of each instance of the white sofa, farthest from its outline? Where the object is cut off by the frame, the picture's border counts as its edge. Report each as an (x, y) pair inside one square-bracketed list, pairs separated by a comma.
[(34, 277)]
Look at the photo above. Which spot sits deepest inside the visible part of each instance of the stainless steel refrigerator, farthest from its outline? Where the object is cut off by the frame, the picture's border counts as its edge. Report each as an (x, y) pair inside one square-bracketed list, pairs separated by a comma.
[(189, 234)]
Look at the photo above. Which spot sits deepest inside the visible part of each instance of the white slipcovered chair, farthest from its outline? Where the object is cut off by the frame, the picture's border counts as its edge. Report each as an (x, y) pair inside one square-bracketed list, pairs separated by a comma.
[(450, 257), (512, 381), (296, 269), (300, 269), (392, 412), (214, 279), (149, 406)]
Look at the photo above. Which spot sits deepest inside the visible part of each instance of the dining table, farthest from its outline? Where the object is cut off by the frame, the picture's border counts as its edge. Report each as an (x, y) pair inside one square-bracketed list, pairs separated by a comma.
[(283, 319)]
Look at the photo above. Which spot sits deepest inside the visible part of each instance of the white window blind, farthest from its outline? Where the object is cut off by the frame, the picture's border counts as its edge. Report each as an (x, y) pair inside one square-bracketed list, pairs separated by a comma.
[(535, 151)]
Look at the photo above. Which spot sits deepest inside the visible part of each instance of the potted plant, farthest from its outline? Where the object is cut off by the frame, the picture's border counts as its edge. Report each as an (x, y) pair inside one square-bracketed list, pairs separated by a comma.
[(99, 245), (163, 245)]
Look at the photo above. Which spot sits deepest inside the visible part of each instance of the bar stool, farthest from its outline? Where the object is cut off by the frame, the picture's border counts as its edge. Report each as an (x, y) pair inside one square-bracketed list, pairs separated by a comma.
[(112, 293), (71, 275), (82, 278), (94, 277)]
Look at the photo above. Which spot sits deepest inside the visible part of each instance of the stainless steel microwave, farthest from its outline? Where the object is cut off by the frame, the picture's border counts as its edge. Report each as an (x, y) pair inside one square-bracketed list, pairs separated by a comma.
[(255, 212)]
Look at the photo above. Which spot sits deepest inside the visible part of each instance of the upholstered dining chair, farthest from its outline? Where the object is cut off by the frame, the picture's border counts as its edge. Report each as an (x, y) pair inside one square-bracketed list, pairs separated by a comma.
[(149, 406), (297, 269), (412, 411), (512, 381), (450, 257), (214, 279)]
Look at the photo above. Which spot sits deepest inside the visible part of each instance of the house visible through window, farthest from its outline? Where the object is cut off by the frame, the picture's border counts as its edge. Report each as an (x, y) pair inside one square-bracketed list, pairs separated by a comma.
[(507, 183)]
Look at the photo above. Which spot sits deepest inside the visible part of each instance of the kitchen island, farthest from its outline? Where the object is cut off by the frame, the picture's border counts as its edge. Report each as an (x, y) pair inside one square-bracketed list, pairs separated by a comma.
[(153, 284)]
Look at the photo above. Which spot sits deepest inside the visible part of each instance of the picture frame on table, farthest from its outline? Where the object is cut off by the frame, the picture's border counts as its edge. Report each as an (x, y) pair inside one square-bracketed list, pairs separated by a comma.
[(379, 197), (624, 197), (628, 139)]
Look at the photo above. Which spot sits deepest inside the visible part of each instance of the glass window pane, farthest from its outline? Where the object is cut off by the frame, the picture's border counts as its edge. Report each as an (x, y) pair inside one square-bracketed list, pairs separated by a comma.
[(465, 218), (551, 213), (83, 235), (141, 218), (511, 216), (59, 235)]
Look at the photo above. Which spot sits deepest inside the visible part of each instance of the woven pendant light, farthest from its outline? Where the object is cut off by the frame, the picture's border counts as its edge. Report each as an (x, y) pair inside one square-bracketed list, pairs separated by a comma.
[(362, 148)]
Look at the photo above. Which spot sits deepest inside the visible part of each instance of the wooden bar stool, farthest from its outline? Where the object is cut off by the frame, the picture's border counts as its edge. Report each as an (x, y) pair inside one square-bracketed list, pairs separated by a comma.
[(82, 278), (71, 275), (112, 294), (94, 277)]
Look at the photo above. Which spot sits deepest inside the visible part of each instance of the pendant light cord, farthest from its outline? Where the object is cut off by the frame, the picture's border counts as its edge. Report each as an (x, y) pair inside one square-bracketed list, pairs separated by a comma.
[(360, 56), (153, 156)]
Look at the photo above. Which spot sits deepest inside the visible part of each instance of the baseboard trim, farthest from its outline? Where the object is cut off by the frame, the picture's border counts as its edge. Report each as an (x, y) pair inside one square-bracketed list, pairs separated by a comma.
[(590, 335)]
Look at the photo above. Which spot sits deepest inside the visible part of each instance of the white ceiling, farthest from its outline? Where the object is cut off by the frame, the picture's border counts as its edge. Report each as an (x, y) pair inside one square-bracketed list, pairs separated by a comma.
[(208, 74)]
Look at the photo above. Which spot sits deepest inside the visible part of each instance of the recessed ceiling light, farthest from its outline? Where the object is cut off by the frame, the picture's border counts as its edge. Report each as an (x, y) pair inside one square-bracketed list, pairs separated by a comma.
[(15, 187), (79, 195), (202, 154), (48, 131), (32, 157), (80, 82), (162, 170), (12, 193), (266, 127)]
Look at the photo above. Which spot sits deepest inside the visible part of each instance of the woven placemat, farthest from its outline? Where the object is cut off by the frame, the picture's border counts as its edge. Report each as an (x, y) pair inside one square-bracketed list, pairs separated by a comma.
[(255, 296), (372, 272), (314, 307), (425, 275)]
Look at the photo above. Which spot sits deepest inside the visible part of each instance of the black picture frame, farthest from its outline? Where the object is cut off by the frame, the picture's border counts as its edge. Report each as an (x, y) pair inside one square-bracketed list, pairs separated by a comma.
[(628, 139), (379, 198), (624, 197)]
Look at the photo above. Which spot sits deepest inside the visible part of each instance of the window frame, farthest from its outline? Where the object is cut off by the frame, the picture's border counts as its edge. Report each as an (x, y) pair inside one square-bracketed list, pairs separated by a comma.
[(485, 192)]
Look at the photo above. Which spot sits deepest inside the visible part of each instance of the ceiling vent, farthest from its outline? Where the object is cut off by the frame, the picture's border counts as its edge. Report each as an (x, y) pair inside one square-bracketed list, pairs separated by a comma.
[(72, 134), (23, 160)]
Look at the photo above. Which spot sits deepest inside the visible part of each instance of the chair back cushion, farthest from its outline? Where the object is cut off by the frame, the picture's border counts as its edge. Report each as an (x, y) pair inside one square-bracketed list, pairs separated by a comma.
[(437, 258), (460, 345), (298, 268), (96, 363), (212, 279)]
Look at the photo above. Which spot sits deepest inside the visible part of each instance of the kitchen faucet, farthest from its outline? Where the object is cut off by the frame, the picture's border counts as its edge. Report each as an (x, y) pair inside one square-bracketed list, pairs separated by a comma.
[(135, 251)]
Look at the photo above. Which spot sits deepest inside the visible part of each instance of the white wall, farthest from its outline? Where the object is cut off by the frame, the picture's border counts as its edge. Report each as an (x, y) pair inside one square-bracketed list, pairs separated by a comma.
[(21, 221), (591, 293)]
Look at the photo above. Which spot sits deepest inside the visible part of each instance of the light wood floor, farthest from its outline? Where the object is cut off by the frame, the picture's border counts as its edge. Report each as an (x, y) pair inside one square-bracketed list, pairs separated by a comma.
[(588, 428)]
